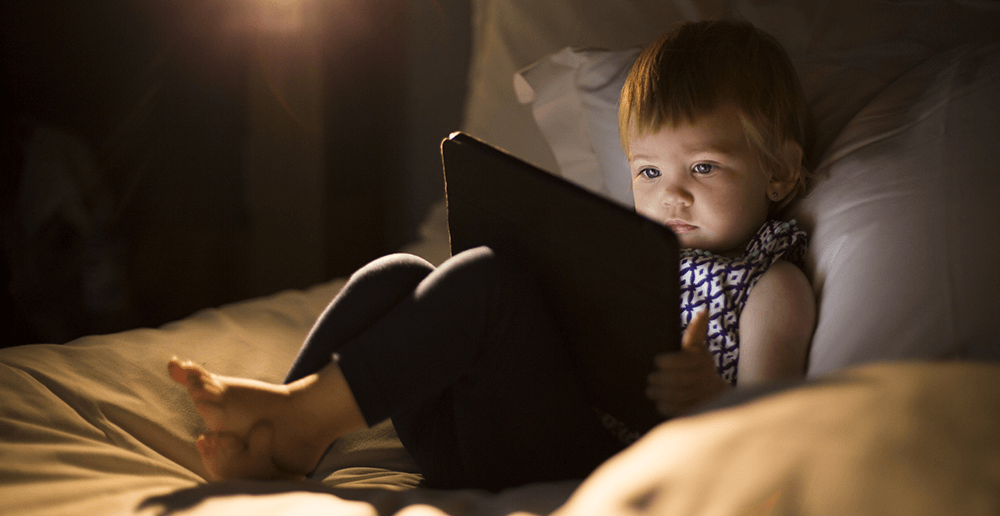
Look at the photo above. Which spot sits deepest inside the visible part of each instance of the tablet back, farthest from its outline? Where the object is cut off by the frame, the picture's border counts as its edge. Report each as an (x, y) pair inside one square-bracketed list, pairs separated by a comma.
[(609, 275)]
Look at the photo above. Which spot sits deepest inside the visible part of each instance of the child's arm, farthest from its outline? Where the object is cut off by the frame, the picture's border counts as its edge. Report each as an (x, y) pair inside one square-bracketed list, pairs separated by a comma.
[(776, 326), (775, 330)]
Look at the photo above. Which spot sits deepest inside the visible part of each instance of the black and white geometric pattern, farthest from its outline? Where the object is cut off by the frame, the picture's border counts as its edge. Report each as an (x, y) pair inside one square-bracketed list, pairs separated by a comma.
[(722, 285)]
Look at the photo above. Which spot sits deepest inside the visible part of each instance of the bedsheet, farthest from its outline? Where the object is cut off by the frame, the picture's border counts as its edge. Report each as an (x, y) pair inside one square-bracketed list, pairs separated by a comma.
[(96, 427)]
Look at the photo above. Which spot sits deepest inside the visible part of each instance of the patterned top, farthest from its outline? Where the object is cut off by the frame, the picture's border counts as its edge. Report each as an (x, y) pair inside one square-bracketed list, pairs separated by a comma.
[(723, 285)]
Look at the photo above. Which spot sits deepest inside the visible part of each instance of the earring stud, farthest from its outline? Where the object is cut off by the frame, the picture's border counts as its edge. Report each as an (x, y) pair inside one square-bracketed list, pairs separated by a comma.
[(774, 195)]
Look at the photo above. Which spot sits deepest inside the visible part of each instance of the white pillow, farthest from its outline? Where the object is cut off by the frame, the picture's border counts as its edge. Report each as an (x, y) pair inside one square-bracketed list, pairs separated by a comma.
[(511, 34), (904, 222), (574, 99)]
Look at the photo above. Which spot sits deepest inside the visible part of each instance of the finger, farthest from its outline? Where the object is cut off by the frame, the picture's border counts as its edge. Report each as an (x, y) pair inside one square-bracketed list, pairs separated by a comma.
[(696, 333), (675, 361), (673, 379), (676, 396), (672, 407), (676, 409), (666, 409)]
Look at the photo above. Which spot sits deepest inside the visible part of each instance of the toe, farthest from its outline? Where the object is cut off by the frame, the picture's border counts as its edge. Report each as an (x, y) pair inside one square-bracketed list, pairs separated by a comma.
[(225, 456), (176, 369), (213, 456), (201, 384)]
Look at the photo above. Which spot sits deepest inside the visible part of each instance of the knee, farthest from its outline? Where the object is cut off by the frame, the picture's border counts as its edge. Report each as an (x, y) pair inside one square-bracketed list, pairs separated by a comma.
[(481, 262), (402, 270), (398, 264), (483, 267)]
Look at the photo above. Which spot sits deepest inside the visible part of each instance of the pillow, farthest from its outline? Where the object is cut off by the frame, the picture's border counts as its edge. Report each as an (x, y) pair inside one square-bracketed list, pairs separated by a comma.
[(574, 99), (511, 34), (903, 220)]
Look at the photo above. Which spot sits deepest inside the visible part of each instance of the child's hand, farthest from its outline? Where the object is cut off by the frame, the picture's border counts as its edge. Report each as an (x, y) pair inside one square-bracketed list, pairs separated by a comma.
[(686, 378)]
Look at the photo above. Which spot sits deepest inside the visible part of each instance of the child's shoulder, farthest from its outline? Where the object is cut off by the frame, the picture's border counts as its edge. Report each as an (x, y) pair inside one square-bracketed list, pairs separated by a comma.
[(778, 240), (777, 324)]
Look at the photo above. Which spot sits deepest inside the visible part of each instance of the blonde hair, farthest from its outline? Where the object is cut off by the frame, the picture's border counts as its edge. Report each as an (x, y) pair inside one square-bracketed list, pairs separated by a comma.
[(701, 66)]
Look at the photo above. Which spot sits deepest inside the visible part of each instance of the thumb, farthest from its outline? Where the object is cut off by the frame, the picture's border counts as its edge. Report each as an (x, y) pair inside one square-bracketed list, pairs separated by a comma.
[(696, 333)]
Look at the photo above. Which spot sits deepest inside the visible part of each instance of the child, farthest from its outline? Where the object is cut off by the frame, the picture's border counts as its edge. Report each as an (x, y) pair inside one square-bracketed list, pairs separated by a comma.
[(466, 360), (714, 162)]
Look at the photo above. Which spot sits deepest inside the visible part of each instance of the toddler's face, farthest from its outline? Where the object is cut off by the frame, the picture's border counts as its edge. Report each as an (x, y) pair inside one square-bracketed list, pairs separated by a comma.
[(701, 181)]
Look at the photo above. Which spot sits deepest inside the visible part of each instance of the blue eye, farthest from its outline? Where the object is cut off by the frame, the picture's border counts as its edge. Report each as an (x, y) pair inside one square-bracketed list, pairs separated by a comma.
[(703, 169), (649, 173)]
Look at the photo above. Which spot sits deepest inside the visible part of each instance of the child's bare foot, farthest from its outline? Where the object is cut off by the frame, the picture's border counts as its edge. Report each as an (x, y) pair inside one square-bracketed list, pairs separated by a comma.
[(259, 430), (226, 456)]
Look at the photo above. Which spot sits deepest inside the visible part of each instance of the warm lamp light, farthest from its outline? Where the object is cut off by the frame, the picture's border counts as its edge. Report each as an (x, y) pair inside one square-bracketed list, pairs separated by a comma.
[(274, 16)]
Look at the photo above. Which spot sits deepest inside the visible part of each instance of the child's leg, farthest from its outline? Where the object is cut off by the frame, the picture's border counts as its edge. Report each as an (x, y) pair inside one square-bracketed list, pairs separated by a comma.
[(473, 372), (369, 294), (477, 380), (247, 438), (259, 430)]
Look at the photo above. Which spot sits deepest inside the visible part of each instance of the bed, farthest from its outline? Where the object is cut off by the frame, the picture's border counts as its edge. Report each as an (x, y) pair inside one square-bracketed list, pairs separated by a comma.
[(900, 410)]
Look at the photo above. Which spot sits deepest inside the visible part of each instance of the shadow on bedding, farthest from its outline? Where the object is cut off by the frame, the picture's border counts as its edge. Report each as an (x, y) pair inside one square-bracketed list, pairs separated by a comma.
[(537, 498), (384, 501)]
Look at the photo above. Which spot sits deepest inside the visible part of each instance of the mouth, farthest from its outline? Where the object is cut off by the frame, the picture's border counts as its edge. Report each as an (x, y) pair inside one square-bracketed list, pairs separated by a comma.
[(680, 227)]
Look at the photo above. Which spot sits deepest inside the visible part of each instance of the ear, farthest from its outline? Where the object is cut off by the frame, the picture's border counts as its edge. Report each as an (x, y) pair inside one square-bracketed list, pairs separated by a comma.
[(784, 181)]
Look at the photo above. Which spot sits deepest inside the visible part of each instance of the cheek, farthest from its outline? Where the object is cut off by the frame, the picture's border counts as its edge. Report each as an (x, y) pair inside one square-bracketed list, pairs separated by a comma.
[(753, 213), (752, 196), (738, 212), (643, 209), (641, 201)]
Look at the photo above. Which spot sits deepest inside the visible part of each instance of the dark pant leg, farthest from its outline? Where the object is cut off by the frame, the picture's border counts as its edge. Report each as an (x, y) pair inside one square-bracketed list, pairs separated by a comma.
[(475, 375), (366, 297)]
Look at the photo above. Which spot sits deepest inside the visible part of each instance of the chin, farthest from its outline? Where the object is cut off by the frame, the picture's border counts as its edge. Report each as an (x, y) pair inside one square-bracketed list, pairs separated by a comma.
[(725, 249)]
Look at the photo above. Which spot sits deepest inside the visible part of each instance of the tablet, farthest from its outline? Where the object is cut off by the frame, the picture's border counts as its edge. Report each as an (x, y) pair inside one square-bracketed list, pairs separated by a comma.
[(609, 275)]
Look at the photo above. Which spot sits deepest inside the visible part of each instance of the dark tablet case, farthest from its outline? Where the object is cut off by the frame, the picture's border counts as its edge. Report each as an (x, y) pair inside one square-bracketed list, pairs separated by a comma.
[(609, 275)]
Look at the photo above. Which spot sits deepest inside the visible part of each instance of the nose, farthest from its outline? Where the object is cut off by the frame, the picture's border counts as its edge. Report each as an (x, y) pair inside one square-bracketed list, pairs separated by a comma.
[(674, 191)]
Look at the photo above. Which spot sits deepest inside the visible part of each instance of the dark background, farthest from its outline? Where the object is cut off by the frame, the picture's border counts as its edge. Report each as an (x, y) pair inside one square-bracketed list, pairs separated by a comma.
[(162, 156)]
